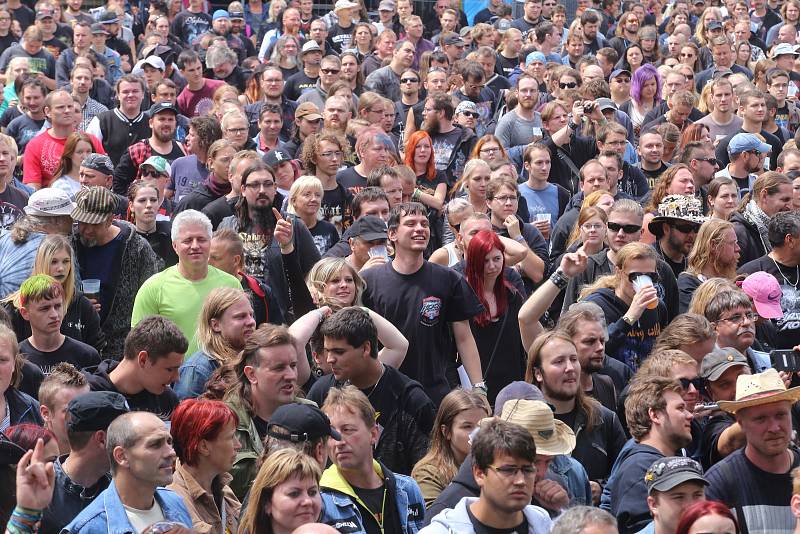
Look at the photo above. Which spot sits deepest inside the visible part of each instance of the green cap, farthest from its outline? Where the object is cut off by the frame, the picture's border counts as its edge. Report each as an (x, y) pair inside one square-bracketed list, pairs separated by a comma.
[(160, 164)]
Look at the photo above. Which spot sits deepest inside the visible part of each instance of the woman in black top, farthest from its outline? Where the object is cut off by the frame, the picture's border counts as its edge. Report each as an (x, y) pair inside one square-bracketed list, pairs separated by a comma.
[(145, 200)]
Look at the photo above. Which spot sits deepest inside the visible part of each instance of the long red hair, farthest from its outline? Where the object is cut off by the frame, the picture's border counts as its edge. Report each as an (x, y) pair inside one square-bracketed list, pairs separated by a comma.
[(411, 146), (701, 509), (480, 246)]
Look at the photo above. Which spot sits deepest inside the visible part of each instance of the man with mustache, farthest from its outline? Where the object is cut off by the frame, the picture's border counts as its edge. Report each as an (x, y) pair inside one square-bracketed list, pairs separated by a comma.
[(142, 458), (275, 249), (732, 315), (756, 481)]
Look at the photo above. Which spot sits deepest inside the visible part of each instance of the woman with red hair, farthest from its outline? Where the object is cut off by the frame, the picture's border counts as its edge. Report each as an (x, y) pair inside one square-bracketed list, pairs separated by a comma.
[(431, 184), (27, 434), (496, 330), (707, 516), (204, 438)]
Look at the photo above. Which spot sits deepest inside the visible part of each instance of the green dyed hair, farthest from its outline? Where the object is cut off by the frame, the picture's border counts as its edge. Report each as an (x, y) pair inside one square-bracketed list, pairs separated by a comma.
[(39, 287)]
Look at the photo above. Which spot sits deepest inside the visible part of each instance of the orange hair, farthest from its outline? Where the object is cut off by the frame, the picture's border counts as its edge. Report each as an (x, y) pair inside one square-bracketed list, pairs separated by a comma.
[(411, 146)]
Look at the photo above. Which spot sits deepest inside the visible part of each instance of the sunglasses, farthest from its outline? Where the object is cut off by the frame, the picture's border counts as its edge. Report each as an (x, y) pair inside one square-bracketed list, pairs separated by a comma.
[(698, 383), (653, 276), (409, 80), (712, 161), (686, 228), (329, 71), (568, 85), (470, 114), (148, 173), (627, 228)]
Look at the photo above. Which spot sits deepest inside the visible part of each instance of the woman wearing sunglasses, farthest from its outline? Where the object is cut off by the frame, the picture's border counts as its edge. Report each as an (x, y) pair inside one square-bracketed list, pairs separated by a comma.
[(633, 309), (714, 255)]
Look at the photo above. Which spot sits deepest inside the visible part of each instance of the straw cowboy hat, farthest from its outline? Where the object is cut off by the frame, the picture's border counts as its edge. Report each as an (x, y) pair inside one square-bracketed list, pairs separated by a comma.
[(552, 437), (758, 389)]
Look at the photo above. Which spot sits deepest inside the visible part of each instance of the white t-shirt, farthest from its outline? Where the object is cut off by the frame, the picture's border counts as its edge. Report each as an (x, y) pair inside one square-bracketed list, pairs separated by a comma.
[(141, 519)]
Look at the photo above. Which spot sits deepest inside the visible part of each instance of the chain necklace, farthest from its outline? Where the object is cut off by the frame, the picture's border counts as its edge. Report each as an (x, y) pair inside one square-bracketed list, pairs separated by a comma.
[(797, 276), (374, 387)]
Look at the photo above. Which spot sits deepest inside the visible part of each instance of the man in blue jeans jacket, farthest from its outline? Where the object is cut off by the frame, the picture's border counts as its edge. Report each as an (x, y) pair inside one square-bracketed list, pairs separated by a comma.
[(140, 449)]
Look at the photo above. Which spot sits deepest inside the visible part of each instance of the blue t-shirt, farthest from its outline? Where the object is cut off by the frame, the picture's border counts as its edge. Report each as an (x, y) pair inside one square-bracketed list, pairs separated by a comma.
[(541, 201)]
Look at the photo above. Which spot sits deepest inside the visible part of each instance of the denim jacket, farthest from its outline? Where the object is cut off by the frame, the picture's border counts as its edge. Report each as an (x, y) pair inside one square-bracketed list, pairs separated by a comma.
[(570, 474), (106, 514), (341, 507), (194, 373)]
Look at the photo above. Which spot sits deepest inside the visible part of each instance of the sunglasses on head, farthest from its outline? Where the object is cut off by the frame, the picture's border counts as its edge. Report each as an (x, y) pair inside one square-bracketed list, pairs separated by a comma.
[(653, 276), (568, 85), (686, 228), (627, 228)]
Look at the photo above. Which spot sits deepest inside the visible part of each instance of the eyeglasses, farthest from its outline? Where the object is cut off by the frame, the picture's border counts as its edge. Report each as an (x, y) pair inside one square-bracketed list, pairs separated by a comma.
[(739, 318), (151, 172), (506, 199), (697, 382), (327, 155), (712, 161), (409, 80), (236, 131), (329, 71), (652, 276), (627, 228), (470, 114), (568, 85), (592, 226), (258, 186), (489, 150), (686, 228), (510, 471)]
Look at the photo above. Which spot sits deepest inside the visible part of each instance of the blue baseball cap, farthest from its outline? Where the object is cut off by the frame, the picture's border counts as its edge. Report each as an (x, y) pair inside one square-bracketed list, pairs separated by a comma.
[(745, 142), (535, 56), (220, 14)]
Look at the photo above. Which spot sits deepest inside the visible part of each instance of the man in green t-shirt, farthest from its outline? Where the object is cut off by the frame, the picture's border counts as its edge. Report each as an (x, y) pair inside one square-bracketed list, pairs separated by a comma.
[(178, 292)]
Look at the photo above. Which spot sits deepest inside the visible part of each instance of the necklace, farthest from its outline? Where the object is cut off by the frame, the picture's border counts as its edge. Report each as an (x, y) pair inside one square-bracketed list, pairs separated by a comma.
[(375, 386), (796, 278)]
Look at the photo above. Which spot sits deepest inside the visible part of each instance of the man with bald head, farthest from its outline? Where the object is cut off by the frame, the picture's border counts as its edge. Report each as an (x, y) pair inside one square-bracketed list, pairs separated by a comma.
[(139, 448)]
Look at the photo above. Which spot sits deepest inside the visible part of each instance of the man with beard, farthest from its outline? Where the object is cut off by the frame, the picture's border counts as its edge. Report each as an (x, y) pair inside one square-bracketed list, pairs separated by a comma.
[(338, 110), (474, 90), (746, 160), (756, 480), (110, 251), (624, 226), (178, 292), (593, 40), (386, 80), (452, 144), (517, 126), (275, 248), (557, 371), (163, 123), (660, 425), (701, 160), (753, 110), (651, 151), (306, 79), (142, 459), (675, 229)]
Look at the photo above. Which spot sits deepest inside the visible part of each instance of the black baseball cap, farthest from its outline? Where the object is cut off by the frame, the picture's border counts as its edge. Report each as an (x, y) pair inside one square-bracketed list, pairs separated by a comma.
[(298, 423), (275, 157), (95, 410), (369, 228), (162, 106), (666, 473)]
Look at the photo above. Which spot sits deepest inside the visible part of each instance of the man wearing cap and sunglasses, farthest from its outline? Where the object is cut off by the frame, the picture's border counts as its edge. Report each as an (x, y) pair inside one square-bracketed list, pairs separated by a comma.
[(756, 481), (746, 159), (300, 426)]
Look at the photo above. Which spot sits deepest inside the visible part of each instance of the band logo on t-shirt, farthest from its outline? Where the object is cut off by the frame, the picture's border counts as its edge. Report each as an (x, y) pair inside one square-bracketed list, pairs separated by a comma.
[(430, 311)]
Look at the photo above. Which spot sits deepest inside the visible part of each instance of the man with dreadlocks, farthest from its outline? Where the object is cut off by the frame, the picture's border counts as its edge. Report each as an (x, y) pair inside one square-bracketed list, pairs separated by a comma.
[(277, 251)]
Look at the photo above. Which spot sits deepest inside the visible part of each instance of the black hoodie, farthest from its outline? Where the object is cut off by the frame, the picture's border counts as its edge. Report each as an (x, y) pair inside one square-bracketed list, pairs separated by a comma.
[(162, 405)]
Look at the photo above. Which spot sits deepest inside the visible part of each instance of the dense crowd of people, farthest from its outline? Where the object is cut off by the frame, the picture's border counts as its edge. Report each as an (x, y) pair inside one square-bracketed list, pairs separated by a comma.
[(388, 266)]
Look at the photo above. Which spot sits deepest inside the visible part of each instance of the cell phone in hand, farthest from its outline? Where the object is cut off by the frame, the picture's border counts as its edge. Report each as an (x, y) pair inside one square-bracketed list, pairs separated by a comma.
[(785, 360)]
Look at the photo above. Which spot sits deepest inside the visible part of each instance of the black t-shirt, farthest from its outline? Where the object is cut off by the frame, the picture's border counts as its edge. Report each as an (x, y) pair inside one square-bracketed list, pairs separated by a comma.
[(422, 305), (71, 351), (261, 426), (325, 236), (351, 180), (480, 528), (24, 15), (12, 202), (298, 84), (724, 158), (381, 505), (504, 66), (7, 41), (652, 176), (55, 46), (336, 207), (340, 38), (788, 327), (443, 146)]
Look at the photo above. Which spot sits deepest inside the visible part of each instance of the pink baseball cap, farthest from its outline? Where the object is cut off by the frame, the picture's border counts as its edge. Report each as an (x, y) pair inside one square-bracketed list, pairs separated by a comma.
[(766, 293)]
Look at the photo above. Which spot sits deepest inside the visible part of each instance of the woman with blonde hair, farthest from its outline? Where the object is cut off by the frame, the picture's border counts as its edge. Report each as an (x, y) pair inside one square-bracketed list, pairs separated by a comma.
[(458, 415), (474, 182), (226, 320), (81, 322), (284, 494), (589, 232), (771, 193), (714, 255), (334, 282), (707, 291), (305, 201), (634, 311)]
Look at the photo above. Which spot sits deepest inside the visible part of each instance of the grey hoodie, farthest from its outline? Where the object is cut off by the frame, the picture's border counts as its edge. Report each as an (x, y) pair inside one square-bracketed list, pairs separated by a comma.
[(456, 520)]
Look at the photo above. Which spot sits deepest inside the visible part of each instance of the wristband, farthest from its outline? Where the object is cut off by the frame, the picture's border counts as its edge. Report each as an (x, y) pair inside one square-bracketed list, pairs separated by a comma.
[(416, 194), (481, 387), (559, 279), (628, 320), (572, 126)]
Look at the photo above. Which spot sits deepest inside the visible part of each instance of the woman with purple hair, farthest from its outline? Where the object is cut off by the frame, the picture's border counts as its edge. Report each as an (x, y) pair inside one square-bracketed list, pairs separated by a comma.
[(645, 95)]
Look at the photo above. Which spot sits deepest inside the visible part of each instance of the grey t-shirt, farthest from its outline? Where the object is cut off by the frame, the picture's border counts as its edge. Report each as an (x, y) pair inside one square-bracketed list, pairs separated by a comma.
[(384, 82), (513, 130), (718, 131)]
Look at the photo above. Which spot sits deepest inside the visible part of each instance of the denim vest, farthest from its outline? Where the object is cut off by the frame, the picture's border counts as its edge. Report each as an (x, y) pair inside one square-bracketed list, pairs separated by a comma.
[(106, 514)]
